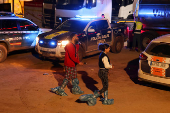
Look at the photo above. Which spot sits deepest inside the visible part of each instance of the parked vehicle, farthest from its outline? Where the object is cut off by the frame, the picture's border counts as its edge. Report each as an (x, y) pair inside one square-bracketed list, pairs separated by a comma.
[(16, 34), (155, 17), (56, 12), (91, 32), (154, 62)]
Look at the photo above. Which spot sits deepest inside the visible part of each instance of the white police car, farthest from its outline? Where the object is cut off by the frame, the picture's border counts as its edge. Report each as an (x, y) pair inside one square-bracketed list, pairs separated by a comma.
[(154, 63), (16, 34)]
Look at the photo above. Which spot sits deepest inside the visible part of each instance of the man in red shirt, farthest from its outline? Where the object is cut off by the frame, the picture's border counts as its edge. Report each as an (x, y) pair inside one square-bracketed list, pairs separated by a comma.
[(71, 59)]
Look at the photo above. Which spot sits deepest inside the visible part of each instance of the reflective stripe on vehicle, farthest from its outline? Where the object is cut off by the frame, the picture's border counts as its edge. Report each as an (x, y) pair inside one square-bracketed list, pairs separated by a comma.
[(7, 32), (158, 59), (18, 43), (55, 34), (158, 71)]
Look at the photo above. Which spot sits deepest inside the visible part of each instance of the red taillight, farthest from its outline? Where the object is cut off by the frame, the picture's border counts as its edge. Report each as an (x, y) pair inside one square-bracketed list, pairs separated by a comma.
[(81, 35), (142, 56)]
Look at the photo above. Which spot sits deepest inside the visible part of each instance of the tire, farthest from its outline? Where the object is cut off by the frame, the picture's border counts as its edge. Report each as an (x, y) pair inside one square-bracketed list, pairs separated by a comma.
[(146, 39), (117, 45), (80, 53), (3, 53)]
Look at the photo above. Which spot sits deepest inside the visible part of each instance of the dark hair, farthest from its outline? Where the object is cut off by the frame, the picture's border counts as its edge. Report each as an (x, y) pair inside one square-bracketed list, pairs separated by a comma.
[(72, 34), (103, 46)]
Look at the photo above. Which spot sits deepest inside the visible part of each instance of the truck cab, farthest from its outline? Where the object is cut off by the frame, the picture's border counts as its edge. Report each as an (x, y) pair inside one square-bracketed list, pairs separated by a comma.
[(91, 32)]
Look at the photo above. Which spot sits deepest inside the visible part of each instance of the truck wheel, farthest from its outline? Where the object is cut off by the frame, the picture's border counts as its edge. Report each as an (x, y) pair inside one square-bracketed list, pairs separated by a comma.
[(3, 53), (145, 40), (80, 53), (118, 45)]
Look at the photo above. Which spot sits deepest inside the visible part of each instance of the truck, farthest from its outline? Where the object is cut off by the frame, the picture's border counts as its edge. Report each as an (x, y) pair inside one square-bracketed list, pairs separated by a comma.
[(33, 11), (57, 11), (155, 16), (91, 31)]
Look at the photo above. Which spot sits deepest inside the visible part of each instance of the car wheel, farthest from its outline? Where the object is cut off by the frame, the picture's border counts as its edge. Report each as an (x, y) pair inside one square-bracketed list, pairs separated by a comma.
[(80, 53), (146, 39), (118, 45), (3, 53)]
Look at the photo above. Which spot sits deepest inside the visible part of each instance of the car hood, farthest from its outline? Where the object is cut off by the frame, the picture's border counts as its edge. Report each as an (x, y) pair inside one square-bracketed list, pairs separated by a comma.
[(43, 30), (55, 34)]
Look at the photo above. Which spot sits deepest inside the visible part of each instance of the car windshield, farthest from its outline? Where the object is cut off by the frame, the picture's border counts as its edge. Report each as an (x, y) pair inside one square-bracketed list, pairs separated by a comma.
[(73, 25), (159, 49)]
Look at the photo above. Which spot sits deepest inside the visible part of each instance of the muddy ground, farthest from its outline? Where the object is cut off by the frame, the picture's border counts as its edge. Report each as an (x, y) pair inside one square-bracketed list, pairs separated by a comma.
[(25, 82)]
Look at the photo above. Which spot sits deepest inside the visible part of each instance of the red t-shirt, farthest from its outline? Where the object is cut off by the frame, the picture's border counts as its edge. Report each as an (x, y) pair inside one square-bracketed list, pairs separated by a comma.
[(71, 55)]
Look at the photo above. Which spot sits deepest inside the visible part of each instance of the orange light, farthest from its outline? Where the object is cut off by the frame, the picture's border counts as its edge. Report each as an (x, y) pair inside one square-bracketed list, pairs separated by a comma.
[(18, 43)]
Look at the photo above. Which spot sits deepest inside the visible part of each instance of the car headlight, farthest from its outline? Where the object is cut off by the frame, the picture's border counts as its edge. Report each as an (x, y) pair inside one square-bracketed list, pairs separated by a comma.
[(52, 43), (37, 39), (63, 43), (41, 41)]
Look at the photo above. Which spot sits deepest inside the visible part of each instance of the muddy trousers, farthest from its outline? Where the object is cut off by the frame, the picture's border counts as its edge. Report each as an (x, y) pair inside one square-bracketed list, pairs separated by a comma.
[(103, 75)]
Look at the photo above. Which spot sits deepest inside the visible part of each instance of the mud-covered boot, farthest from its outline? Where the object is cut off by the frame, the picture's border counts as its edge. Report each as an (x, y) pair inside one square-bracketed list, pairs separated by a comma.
[(60, 89), (105, 100), (90, 98), (76, 89)]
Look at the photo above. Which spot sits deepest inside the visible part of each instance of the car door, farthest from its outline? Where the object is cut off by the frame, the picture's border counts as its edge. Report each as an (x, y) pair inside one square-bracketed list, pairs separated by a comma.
[(29, 32), (93, 34), (11, 33), (105, 31)]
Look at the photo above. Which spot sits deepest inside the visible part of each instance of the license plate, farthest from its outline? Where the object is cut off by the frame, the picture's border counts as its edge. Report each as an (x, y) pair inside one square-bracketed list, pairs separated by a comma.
[(158, 64)]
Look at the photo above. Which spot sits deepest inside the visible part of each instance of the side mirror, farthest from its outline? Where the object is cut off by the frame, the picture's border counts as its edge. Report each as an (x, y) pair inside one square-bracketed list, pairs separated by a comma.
[(91, 30)]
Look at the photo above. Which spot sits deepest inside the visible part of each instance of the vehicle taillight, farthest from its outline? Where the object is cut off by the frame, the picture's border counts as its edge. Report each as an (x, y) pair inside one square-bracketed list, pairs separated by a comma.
[(142, 56)]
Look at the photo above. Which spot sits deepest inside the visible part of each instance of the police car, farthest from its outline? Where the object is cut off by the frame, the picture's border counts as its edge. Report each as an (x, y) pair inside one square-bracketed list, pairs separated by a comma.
[(91, 32), (154, 63), (16, 34)]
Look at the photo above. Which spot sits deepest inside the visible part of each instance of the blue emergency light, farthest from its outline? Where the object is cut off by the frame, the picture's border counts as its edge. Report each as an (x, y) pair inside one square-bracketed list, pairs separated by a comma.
[(12, 14), (41, 42), (52, 43), (85, 17)]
